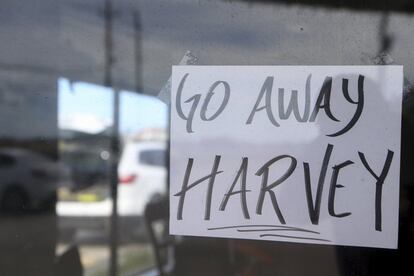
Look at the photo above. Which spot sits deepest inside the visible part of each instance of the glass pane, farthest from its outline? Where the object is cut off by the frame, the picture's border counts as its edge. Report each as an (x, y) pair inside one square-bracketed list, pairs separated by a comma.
[(84, 102)]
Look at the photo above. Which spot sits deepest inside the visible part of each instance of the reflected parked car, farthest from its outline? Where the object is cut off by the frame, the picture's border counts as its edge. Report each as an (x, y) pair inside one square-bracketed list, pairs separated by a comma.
[(28, 180), (142, 178)]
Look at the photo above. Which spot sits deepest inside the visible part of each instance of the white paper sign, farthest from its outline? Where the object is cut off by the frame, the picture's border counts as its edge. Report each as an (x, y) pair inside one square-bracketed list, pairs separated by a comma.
[(306, 154)]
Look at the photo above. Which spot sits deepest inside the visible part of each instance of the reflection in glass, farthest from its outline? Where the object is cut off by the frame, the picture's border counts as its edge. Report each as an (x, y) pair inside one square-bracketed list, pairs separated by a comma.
[(85, 206)]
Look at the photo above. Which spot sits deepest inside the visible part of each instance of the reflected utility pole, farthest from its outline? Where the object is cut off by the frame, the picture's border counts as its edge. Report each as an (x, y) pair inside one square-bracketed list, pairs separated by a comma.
[(385, 41), (137, 51), (113, 238)]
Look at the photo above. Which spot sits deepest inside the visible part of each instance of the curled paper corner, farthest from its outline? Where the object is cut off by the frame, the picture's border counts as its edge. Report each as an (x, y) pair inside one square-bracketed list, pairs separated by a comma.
[(188, 59)]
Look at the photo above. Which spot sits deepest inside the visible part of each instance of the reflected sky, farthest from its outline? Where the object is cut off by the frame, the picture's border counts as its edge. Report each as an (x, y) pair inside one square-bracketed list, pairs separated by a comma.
[(88, 108)]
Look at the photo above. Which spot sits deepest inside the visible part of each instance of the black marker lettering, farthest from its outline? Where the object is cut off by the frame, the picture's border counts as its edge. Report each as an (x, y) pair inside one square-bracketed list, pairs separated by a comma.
[(266, 89), (325, 96), (314, 208), (178, 98), (243, 173), (264, 171), (332, 189), (195, 99), (378, 185), (186, 187), (294, 104), (208, 99), (359, 103)]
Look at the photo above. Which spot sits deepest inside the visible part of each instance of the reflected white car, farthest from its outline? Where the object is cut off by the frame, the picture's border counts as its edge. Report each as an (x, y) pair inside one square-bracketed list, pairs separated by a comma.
[(27, 180), (142, 177)]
